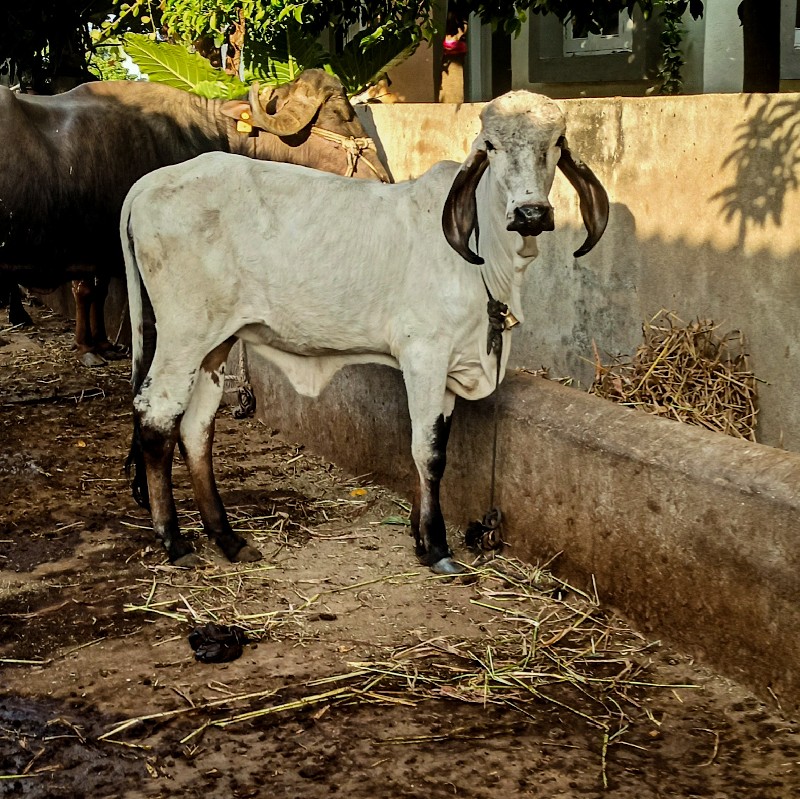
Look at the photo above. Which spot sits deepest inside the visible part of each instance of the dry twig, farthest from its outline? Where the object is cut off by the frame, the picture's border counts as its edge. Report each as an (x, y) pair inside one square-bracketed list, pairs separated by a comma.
[(685, 372)]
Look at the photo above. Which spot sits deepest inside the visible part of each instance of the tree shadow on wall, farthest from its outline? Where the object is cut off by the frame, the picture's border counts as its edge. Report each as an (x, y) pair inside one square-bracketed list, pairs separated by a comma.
[(767, 162)]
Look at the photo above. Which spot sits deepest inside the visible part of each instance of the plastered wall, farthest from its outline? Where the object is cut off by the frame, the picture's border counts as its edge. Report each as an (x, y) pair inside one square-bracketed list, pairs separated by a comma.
[(705, 203)]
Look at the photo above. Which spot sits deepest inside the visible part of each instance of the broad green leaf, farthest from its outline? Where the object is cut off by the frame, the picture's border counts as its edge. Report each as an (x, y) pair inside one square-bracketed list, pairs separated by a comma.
[(284, 57), (177, 67), (215, 89), (359, 66)]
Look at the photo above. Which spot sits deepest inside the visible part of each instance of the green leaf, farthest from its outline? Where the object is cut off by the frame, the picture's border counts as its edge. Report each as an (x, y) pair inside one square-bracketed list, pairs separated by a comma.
[(358, 67), (284, 57), (177, 67), (215, 89), (400, 521)]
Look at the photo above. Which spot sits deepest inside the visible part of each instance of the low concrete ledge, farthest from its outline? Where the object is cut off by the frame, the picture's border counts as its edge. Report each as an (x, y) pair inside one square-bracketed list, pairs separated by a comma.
[(693, 535)]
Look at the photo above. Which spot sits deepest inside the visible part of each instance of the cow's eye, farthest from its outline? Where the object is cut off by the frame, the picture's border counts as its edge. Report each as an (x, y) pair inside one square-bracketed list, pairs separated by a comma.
[(489, 145)]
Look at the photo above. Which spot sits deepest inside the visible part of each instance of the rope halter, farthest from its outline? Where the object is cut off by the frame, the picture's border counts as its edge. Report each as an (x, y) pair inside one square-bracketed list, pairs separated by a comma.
[(354, 147)]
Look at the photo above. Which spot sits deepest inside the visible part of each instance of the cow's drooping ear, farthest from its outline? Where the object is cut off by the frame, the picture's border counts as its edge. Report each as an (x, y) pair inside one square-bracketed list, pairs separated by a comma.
[(592, 195), (460, 214)]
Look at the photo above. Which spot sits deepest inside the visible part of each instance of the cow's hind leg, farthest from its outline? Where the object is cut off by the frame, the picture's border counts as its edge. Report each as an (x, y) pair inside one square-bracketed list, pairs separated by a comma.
[(97, 321), (83, 292), (11, 294), (158, 407), (158, 447), (197, 440)]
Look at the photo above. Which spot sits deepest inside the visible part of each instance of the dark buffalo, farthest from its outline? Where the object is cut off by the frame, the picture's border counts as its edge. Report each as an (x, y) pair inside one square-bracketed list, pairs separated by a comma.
[(67, 162), (11, 298)]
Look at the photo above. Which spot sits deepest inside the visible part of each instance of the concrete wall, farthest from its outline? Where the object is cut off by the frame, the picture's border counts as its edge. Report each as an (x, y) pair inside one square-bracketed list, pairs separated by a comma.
[(694, 535), (723, 50), (705, 192)]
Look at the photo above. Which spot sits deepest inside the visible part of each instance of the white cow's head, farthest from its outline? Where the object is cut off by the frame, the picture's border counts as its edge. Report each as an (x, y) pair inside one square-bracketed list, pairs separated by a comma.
[(523, 139)]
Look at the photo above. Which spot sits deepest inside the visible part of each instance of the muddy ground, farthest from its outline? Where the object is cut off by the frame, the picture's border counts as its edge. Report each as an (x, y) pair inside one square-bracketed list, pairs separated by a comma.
[(363, 675)]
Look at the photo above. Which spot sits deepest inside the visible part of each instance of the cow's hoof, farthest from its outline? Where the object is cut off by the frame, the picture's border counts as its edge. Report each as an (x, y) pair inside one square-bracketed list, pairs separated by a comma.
[(19, 320), (114, 352), (448, 566), (247, 554), (92, 360), (188, 561)]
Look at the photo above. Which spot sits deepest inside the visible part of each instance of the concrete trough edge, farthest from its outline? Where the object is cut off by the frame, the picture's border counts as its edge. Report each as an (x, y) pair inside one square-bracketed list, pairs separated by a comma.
[(693, 535)]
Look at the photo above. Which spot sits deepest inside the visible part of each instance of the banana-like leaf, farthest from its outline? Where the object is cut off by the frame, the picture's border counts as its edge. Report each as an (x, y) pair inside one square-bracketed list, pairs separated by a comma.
[(176, 66), (359, 66), (284, 57)]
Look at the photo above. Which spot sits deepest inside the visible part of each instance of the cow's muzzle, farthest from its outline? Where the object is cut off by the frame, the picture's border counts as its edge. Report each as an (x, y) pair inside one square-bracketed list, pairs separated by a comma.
[(533, 219)]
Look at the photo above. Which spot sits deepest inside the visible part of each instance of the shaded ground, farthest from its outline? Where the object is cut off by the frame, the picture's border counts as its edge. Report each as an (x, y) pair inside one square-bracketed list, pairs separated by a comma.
[(93, 628)]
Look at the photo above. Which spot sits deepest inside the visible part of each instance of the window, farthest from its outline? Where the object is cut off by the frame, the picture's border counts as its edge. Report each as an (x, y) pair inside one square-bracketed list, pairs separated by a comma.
[(790, 39), (797, 26), (626, 50), (616, 36)]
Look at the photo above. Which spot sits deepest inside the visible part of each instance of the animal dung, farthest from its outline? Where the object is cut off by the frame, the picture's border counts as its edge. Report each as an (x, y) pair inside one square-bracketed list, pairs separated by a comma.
[(217, 643)]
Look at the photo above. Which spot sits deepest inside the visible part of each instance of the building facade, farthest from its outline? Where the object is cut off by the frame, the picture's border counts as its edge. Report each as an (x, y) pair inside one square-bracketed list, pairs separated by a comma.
[(556, 60)]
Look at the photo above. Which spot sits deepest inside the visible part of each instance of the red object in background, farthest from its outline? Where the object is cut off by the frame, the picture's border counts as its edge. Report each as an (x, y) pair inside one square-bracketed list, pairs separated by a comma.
[(453, 46)]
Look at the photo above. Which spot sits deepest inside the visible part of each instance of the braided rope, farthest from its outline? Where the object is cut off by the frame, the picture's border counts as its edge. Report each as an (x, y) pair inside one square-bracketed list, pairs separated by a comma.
[(354, 147)]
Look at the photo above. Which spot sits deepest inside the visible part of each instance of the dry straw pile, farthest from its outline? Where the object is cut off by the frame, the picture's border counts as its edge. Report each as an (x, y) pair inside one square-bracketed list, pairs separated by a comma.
[(685, 372)]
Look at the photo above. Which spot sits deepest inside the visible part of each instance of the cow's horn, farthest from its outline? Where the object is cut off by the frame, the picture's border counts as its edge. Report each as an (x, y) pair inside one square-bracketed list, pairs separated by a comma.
[(296, 113)]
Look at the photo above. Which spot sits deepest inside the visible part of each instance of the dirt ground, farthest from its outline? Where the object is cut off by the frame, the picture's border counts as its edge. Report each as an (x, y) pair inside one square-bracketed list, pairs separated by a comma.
[(363, 676)]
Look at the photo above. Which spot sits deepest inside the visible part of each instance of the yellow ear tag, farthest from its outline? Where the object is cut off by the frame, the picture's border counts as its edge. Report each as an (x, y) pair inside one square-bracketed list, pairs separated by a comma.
[(242, 126)]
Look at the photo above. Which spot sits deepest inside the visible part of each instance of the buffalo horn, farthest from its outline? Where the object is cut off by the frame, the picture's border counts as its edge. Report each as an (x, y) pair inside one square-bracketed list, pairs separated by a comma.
[(296, 113)]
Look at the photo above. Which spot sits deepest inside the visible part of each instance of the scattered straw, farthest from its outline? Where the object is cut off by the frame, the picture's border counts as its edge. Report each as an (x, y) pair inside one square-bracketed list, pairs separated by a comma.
[(232, 594), (545, 643), (685, 372)]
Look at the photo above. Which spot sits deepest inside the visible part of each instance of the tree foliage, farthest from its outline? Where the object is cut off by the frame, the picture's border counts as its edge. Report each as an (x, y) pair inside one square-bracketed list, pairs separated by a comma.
[(40, 39), (188, 20), (44, 39), (274, 41)]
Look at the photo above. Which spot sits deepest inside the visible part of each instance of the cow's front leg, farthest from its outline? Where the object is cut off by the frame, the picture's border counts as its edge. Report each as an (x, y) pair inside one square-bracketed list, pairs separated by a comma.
[(431, 407)]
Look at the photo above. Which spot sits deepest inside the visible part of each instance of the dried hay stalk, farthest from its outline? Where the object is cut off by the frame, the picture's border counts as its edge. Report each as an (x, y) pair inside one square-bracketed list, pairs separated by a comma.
[(234, 594), (546, 643), (685, 372)]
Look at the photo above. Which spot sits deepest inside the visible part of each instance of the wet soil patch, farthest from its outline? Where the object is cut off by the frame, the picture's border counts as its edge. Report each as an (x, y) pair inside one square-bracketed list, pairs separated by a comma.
[(37, 624), (51, 748), (30, 549)]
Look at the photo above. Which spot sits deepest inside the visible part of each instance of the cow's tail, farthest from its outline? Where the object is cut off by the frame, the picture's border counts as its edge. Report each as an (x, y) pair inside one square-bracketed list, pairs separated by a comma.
[(143, 346)]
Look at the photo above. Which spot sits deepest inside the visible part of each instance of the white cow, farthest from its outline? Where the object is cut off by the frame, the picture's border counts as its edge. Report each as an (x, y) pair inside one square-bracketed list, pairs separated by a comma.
[(317, 272)]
